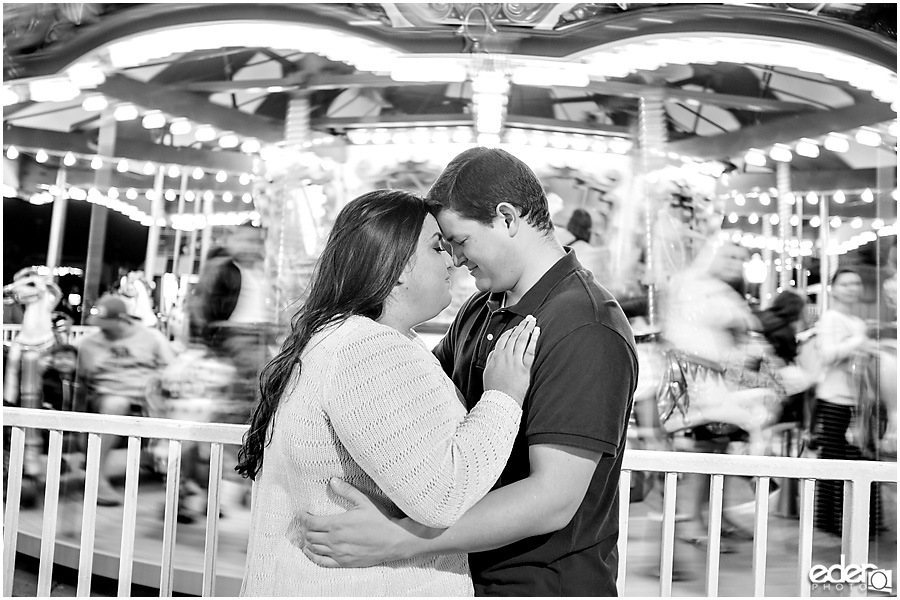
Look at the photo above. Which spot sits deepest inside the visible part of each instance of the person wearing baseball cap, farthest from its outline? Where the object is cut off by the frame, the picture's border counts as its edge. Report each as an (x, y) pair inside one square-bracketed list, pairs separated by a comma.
[(115, 367), (110, 309)]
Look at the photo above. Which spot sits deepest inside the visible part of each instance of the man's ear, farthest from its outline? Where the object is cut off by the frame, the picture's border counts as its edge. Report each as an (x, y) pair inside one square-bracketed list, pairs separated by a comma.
[(511, 217)]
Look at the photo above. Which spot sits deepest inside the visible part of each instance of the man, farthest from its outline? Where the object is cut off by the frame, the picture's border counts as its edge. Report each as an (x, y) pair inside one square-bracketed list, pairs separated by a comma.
[(115, 366), (550, 526)]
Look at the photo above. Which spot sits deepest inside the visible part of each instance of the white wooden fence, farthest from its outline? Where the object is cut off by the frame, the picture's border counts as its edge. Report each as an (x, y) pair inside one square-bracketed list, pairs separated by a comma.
[(857, 475)]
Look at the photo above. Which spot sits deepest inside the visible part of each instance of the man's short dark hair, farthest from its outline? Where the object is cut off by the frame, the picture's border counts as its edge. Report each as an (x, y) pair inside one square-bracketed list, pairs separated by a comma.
[(479, 179)]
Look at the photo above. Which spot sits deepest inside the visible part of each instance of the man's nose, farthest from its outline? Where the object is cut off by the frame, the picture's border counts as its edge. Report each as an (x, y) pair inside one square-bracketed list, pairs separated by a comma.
[(459, 259)]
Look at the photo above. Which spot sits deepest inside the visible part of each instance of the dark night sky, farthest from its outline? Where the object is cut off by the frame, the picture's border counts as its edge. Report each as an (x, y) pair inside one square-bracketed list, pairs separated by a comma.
[(26, 233)]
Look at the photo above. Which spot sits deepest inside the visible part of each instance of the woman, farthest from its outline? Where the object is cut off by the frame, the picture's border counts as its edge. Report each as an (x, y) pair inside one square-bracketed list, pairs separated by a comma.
[(840, 334), (354, 395)]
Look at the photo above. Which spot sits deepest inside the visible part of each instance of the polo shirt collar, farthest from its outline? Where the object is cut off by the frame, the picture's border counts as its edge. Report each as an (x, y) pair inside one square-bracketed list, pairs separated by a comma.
[(535, 297)]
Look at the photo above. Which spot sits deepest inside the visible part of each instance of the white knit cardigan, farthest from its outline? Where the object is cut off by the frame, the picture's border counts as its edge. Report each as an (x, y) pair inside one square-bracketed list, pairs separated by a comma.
[(375, 409)]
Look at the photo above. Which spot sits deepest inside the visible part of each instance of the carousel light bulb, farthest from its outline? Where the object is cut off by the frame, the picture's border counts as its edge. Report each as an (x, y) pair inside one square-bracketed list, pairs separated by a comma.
[(755, 158), (122, 166), (247, 198), (174, 171), (205, 133), (868, 137), (755, 270), (180, 127), (95, 103), (250, 146), (244, 178), (198, 173), (131, 194), (154, 120), (12, 153), (815, 222), (113, 192), (149, 168), (189, 196), (41, 156), (69, 159), (739, 200), (839, 197), (753, 218), (229, 140), (812, 198), (877, 224), (126, 112), (208, 195), (221, 176), (774, 220), (781, 153), (835, 222), (96, 163), (867, 196), (170, 195), (765, 199), (808, 148), (837, 143), (856, 223), (795, 220), (227, 197), (733, 218)]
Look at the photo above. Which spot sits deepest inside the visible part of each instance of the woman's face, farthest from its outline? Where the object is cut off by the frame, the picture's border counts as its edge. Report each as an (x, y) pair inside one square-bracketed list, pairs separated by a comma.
[(426, 278), (847, 288)]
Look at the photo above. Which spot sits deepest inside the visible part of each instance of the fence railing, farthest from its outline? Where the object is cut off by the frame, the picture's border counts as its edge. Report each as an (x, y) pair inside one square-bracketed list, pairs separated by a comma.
[(857, 475), (76, 332)]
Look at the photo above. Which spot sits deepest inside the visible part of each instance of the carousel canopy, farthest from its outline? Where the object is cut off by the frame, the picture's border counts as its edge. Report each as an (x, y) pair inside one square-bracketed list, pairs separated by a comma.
[(205, 88)]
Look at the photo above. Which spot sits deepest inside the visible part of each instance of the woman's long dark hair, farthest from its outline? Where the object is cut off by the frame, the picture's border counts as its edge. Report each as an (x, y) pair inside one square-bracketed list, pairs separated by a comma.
[(372, 240)]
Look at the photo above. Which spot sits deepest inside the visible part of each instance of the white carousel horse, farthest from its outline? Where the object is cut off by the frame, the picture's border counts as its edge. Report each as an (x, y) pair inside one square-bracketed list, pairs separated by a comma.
[(38, 296), (138, 294)]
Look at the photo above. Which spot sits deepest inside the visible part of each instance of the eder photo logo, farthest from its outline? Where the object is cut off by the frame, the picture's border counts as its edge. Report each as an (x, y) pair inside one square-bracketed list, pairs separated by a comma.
[(843, 576)]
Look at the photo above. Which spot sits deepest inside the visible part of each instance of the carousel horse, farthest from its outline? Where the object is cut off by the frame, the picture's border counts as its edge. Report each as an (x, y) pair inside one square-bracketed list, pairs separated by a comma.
[(138, 294), (22, 386)]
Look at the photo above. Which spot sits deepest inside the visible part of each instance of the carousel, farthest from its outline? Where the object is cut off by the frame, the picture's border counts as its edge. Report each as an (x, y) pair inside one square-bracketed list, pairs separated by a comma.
[(658, 131)]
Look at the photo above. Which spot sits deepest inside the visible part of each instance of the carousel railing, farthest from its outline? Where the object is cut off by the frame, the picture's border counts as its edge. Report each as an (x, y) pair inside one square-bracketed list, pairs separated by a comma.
[(76, 332), (857, 475), (135, 429)]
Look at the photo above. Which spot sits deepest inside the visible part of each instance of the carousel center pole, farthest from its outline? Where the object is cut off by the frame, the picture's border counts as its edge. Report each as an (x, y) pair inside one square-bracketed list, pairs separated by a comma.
[(93, 271), (652, 139), (57, 225), (785, 211), (156, 211)]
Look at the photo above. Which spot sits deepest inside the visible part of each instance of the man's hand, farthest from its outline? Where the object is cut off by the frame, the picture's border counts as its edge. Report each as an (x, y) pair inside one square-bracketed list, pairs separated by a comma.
[(364, 536)]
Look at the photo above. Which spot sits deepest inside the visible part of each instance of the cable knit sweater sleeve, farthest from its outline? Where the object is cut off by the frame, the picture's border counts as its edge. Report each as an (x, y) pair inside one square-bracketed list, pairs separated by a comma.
[(399, 418)]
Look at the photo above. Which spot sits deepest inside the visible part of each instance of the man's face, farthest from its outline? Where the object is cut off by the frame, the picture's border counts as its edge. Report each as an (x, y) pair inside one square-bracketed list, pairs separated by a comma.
[(486, 251), (728, 264)]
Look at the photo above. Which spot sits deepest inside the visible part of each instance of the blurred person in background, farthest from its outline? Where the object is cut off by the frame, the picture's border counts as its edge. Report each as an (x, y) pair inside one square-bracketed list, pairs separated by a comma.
[(115, 368), (355, 394), (840, 335), (580, 226), (780, 323), (706, 319), (231, 311)]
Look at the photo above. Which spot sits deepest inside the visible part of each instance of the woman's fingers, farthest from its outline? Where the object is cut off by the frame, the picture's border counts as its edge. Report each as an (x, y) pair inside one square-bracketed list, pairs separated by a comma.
[(523, 333), (322, 561), (531, 348)]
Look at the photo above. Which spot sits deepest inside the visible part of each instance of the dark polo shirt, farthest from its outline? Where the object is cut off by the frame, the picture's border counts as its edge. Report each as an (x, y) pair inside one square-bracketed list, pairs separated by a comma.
[(583, 382)]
